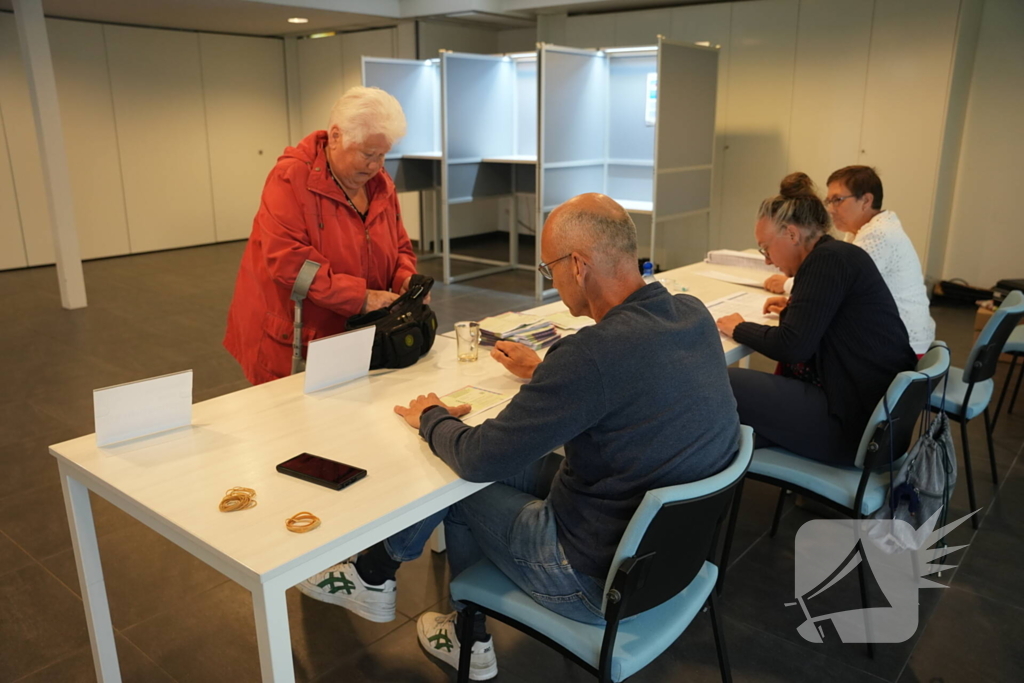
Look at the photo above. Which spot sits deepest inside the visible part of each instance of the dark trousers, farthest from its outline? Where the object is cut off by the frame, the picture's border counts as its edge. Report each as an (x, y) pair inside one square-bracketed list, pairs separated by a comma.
[(791, 414)]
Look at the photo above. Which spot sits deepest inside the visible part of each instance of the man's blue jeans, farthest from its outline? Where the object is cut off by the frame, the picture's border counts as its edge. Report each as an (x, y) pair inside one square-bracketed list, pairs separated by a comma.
[(511, 524)]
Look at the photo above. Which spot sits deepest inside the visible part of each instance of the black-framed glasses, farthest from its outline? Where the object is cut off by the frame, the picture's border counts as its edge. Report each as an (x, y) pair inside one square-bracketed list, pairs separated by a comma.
[(545, 268), (836, 201)]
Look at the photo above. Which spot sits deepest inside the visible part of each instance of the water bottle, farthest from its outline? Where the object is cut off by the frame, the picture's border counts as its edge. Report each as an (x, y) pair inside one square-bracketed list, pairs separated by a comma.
[(649, 272)]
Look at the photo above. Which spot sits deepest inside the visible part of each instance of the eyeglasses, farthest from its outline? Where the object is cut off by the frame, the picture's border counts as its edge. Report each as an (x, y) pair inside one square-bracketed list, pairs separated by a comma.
[(545, 268), (836, 201)]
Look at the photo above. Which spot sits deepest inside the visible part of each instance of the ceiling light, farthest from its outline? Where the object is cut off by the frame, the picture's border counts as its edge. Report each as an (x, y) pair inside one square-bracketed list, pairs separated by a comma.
[(614, 50), (298, 20)]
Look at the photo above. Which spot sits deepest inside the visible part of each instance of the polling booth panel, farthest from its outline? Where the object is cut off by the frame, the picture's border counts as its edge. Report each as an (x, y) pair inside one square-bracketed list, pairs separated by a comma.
[(687, 90), (489, 139)]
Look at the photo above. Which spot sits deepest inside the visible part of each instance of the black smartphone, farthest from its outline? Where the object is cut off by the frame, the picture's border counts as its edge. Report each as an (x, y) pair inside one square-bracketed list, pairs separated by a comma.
[(330, 473)]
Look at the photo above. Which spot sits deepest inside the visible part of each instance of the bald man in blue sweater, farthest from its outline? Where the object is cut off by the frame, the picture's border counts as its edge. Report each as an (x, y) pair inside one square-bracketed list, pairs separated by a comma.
[(640, 400)]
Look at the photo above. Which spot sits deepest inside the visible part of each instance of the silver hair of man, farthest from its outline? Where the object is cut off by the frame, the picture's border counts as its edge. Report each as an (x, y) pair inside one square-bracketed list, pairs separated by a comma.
[(609, 234), (363, 112)]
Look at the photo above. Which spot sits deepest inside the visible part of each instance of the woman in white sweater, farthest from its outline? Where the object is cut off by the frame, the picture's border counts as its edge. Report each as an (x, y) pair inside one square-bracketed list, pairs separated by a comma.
[(855, 203)]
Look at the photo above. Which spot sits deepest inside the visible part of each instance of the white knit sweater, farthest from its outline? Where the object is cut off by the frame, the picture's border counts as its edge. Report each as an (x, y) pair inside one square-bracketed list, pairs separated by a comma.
[(893, 252)]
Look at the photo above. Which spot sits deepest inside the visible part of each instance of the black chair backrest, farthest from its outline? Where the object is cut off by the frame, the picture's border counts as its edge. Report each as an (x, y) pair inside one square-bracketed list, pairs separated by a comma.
[(896, 434), (680, 538)]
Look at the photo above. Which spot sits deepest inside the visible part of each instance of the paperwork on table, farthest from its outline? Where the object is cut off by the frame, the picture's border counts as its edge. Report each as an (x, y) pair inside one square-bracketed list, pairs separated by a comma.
[(734, 279), (747, 304), (743, 259), (480, 399), (524, 328), (564, 320)]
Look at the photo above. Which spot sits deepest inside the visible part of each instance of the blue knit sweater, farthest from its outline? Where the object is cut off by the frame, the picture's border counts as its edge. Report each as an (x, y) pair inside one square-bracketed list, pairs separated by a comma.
[(640, 400)]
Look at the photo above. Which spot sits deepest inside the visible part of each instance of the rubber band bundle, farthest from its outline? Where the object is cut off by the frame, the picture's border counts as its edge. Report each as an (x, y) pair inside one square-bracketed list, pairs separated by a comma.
[(238, 498), (302, 522)]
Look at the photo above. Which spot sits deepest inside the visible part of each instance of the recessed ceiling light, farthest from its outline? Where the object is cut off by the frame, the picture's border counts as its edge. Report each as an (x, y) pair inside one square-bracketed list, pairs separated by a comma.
[(298, 20)]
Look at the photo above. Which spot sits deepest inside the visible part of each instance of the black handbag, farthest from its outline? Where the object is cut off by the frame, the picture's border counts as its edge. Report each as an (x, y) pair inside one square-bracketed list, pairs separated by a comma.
[(405, 329)]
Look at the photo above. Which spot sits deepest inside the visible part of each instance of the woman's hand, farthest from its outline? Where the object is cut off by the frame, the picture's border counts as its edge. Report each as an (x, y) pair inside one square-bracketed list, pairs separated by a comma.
[(376, 299), (405, 288), (518, 359), (415, 410), (776, 284), (775, 304), (727, 324)]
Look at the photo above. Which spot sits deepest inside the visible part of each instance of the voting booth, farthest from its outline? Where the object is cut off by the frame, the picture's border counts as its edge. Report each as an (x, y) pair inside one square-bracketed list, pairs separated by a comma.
[(488, 142), (637, 124)]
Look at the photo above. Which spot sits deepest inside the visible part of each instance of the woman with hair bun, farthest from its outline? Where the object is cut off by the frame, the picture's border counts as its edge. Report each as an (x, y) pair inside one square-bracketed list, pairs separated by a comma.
[(840, 340)]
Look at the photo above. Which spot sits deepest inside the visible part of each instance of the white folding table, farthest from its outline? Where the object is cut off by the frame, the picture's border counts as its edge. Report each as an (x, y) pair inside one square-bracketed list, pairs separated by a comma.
[(173, 481)]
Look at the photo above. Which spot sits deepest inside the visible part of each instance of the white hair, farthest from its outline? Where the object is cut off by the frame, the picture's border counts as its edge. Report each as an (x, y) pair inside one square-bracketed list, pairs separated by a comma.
[(363, 112)]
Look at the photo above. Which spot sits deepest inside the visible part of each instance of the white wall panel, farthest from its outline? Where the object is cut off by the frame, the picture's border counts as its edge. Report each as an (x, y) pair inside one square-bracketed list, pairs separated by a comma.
[(23, 148), (321, 80), (354, 46), (828, 87), (904, 106), (156, 80), (762, 53), (641, 28), (90, 137), (711, 24), (590, 30), (12, 247), (247, 120), (986, 240)]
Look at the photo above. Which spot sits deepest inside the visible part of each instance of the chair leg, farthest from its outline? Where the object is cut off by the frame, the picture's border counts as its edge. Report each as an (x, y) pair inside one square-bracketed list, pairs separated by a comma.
[(991, 448), (1002, 394), (778, 512), (734, 512), (716, 628), (1016, 390), (466, 643), (969, 472), (864, 605)]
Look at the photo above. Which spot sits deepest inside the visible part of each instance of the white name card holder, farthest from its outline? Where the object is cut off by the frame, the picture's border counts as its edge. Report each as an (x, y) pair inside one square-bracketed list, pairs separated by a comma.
[(149, 406), (338, 358)]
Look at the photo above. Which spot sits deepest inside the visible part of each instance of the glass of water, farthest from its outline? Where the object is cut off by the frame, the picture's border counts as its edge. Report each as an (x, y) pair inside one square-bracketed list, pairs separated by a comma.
[(467, 334)]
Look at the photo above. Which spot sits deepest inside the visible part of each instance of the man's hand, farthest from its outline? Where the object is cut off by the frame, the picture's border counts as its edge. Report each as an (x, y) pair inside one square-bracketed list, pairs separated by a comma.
[(376, 299), (518, 359), (776, 284), (405, 288), (775, 304), (416, 408), (728, 323)]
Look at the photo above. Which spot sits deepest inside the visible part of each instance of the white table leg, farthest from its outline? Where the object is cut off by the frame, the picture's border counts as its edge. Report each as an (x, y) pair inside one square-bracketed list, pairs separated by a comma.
[(90, 577), (272, 634)]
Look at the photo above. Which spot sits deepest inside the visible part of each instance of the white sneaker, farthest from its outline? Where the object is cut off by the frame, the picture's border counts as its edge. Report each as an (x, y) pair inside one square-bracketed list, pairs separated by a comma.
[(438, 637), (341, 585)]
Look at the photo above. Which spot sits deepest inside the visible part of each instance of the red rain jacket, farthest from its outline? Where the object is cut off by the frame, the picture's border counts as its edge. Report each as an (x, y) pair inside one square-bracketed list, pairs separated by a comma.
[(304, 215)]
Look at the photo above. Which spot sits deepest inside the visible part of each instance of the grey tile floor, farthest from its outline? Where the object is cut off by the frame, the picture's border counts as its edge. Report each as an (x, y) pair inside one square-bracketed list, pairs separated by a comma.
[(178, 620)]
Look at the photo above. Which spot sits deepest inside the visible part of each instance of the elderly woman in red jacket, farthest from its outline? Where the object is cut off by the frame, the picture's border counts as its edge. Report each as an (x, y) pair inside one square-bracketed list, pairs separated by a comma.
[(327, 200)]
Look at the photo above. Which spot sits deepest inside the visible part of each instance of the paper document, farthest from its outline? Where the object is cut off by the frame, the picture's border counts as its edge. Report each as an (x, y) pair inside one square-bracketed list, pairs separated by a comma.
[(480, 399), (743, 259), (734, 279), (747, 304), (567, 321), (506, 322)]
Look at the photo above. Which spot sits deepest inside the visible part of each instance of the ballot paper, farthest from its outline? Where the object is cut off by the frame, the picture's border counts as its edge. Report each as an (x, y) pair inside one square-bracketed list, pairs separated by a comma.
[(480, 399), (506, 322), (734, 279), (748, 304), (567, 321)]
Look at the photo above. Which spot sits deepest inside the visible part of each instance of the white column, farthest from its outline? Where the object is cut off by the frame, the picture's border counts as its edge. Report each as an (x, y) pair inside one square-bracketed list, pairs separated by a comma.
[(42, 87)]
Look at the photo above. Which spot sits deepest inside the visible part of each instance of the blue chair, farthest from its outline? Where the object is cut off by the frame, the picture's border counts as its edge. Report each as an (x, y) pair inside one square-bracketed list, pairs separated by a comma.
[(858, 490), (1014, 347), (662, 576), (968, 392)]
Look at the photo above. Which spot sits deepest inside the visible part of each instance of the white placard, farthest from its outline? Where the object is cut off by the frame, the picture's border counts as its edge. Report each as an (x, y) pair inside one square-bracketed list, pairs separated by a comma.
[(128, 411), (337, 359)]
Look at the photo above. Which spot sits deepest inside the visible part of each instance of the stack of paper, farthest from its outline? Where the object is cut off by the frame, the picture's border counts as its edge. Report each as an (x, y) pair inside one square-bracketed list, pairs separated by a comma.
[(564, 320), (531, 330), (743, 259)]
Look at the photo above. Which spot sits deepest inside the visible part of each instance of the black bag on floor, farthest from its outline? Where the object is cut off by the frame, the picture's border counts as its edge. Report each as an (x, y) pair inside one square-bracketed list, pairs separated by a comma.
[(405, 329), (958, 292)]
